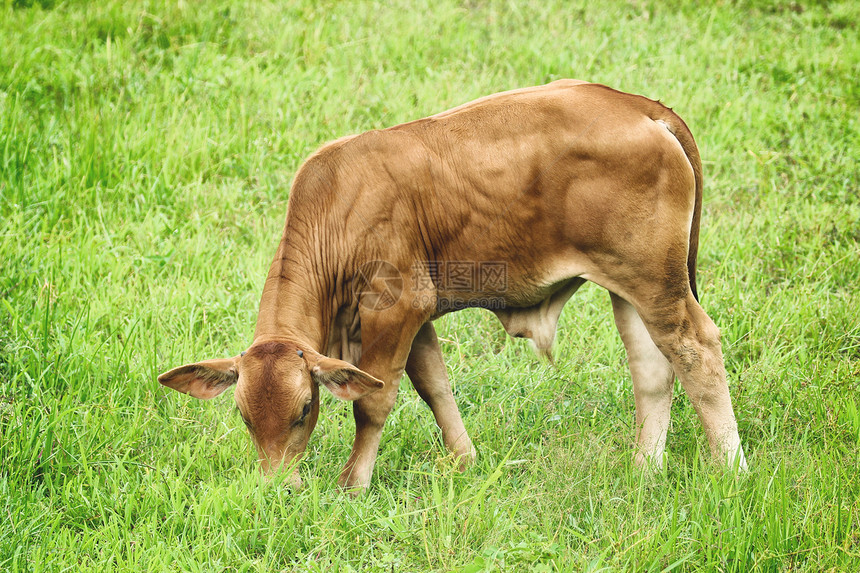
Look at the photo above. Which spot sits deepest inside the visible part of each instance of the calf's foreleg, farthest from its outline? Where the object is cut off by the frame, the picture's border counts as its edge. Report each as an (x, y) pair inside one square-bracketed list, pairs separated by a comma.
[(426, 370), (386, 337)]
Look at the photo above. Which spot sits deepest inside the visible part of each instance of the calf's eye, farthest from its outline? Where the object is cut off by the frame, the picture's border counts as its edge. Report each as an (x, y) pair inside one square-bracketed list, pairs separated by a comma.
[(305, 411)]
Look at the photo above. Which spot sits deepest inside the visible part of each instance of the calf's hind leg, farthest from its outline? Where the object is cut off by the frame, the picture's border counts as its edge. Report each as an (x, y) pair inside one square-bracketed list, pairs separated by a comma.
[(690, 340), (426, 369), (653, 382)]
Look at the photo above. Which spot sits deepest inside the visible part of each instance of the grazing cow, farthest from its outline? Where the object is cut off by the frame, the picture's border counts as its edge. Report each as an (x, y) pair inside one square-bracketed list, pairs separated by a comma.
[(509, 203)]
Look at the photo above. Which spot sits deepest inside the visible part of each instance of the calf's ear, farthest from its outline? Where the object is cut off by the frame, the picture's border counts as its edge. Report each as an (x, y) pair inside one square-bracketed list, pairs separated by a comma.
[(341, 378), (203, 380)]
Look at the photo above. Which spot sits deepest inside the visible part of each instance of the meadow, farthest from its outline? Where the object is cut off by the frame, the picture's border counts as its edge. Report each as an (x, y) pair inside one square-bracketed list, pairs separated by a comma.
[(146, 153)]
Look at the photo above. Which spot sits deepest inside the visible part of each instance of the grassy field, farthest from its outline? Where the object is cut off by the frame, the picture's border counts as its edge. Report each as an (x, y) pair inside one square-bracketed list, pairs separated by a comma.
[(146, 151)]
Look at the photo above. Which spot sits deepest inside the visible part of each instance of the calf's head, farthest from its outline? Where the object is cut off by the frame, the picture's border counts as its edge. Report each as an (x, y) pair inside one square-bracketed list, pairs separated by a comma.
[(277, 393)]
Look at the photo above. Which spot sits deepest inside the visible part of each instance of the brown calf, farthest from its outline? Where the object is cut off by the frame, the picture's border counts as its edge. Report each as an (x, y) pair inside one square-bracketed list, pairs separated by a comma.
[(509, 203)]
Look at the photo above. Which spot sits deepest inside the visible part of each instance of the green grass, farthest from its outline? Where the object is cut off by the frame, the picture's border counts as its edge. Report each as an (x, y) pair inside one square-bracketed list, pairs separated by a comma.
[(146, 151)]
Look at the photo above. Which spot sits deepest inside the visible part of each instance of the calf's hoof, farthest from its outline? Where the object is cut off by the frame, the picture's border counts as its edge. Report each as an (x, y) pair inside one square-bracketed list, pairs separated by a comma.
[(465, 457)]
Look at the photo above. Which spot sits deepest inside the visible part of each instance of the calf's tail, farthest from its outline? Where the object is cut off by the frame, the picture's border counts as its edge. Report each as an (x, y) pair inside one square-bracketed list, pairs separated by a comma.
[(682, 133)]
